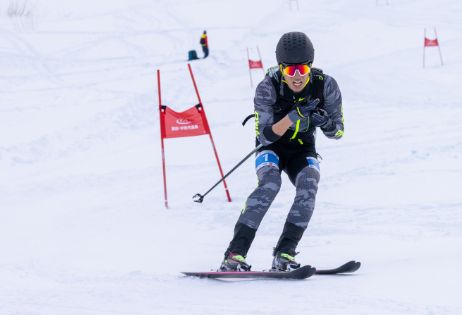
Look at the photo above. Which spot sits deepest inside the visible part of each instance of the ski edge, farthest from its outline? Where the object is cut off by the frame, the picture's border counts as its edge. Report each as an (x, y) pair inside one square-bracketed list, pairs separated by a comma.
[(299, 274)]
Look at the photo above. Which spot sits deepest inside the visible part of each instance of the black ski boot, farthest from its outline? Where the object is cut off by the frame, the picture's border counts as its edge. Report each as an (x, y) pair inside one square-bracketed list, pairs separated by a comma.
[(238, 248), (284, 262), (284, 252), (234, 262)]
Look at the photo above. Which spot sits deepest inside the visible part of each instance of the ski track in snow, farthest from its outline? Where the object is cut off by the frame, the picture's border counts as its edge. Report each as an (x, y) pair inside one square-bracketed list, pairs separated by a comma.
[(82, 224)]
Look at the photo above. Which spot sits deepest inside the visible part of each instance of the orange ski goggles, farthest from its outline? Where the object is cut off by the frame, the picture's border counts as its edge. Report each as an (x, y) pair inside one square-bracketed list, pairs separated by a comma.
[(290, 70)]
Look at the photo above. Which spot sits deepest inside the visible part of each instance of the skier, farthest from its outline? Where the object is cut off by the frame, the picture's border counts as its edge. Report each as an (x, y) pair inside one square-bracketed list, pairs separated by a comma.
[(205, 44), (290, 103)]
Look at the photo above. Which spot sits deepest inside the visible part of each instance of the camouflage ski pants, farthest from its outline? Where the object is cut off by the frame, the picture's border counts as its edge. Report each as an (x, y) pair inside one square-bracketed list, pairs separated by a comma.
[(269, 183)]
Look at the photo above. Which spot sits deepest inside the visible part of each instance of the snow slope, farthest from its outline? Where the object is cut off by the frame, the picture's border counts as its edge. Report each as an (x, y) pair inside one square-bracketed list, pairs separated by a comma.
[(83, 229)]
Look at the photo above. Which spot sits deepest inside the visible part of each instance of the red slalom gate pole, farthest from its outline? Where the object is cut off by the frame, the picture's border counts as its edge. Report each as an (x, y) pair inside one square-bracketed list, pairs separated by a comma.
[(432, 43), (425, 37), (162, 135), (250, 70), (259, 56), (439, 47), (210, 133)]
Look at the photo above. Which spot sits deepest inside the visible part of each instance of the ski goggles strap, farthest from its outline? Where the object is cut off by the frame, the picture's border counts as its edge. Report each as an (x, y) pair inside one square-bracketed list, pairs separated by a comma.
[(290, 70)]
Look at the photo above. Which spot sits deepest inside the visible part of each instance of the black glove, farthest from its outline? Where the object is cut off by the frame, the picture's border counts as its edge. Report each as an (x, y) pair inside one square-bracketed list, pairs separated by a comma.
[(303, 110), (319, 118)]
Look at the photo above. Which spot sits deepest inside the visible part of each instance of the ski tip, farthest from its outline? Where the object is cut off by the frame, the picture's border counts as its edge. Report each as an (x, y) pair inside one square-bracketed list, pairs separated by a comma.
[(350, 266), (355, 266)]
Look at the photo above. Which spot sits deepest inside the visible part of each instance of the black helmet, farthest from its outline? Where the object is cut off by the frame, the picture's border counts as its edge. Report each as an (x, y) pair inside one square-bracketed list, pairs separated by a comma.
[(294, 48)]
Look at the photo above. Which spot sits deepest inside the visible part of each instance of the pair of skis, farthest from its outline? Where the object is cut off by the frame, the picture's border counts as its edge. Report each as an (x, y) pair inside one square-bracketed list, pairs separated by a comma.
[(297, 274)]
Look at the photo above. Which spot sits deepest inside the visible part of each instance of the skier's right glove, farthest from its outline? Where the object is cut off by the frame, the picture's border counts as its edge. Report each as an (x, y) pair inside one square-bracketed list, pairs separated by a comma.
[(303, 111)]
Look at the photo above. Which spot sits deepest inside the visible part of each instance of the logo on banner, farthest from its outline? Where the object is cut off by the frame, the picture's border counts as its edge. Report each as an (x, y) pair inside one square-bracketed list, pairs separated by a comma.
[(185, 124), (183, 121)]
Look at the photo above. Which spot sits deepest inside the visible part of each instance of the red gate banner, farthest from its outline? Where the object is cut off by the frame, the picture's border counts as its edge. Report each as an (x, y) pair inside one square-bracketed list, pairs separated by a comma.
[(189, 123), (431, 42), (255, 64)]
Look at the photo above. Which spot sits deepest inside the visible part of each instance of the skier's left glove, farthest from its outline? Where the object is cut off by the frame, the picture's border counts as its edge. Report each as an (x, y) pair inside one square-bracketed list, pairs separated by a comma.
[(319, 118), (303, 110)]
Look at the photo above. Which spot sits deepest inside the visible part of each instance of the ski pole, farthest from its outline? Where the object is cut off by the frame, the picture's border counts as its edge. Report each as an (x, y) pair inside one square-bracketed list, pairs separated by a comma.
[(199, 198)]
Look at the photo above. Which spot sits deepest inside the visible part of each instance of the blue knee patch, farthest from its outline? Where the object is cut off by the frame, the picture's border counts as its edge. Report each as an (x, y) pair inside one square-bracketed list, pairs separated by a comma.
[(266, 158), (313, 163)]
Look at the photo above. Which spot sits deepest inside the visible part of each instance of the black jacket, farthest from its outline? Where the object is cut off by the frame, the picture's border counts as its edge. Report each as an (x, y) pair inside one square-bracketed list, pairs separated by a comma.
[(273, 100)]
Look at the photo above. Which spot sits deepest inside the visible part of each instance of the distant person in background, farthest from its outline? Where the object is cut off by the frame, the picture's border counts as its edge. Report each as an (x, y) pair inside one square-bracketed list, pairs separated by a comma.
[(291, 103), (205, 44)]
